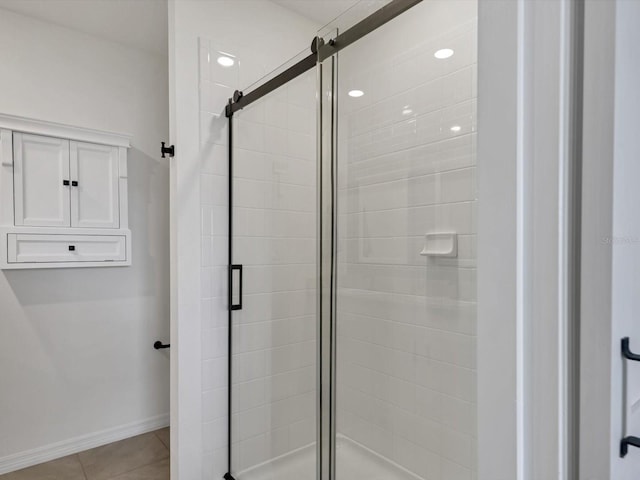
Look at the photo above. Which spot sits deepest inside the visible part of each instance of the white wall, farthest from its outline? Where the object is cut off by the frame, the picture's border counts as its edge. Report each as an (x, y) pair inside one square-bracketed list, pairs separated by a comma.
[(76, 356), (263, 35)]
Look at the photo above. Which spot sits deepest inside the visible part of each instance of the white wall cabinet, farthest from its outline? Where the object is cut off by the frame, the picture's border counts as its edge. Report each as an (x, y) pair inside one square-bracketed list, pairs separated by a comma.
[(64, 196)]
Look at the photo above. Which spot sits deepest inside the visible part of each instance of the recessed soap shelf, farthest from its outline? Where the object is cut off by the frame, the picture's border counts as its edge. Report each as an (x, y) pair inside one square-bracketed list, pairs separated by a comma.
[(440, 245)]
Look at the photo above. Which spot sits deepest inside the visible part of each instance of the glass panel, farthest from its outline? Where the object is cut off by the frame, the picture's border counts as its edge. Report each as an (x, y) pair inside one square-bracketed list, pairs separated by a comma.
[(274, 362), (406, 261), (354, 14)]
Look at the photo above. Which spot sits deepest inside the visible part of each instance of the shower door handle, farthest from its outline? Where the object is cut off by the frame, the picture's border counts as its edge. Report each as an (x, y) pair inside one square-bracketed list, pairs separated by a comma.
[(232, 269)]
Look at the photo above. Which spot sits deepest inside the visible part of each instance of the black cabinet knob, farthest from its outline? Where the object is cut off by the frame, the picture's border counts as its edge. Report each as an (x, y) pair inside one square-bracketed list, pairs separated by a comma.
[(74, 183), (72, 248), (65, 182)]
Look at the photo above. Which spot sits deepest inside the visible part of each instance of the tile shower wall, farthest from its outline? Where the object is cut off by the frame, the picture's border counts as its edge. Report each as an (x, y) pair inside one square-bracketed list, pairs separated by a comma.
[(406, 323), (274, 238)]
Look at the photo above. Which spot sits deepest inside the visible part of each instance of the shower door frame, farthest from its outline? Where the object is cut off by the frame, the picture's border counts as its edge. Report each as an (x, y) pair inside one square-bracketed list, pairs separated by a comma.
[(320, 52), (506, 404)]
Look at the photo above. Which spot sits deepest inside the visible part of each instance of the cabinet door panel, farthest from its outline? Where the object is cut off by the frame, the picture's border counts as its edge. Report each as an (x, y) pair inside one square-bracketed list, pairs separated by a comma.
[(41, 166), (94, 199)]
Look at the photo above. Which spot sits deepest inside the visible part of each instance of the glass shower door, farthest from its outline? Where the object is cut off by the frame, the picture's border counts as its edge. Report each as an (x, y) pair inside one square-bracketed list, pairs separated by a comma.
[(402, 105), (274, 386), (353, 245)]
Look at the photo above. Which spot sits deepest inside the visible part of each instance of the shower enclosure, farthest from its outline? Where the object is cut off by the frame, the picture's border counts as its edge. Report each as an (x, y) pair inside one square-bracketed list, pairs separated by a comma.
[(352, 259)]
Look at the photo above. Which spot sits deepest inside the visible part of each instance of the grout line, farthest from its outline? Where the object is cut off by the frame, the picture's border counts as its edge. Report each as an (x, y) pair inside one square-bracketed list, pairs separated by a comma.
[(422, 144), (161, 441), (134, 469), (128, 471), (433, 205), (404, 179), (84, 473)]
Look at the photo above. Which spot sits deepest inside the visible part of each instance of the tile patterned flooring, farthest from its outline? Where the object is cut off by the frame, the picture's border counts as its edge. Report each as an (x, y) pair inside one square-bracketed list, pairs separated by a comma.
[(145, 457)]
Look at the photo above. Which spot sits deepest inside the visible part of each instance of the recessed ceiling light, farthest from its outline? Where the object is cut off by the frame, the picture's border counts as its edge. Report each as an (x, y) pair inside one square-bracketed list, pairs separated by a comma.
[(443, 53), (226, 61), (456, 128), (356, 93)]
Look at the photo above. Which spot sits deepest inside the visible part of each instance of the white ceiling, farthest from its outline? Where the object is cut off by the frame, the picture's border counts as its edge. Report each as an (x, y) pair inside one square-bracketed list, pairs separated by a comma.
[(319, 11), (138, 23), (143, 23)]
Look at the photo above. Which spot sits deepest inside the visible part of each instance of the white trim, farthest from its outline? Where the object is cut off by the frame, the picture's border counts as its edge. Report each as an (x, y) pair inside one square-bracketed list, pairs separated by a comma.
[(6, 177), (565, 465), (498, 369), (51, 129), (543, 162), (81, 443), (522, 223), (597, 255), (521, 258), (187, 461), (123, 190)]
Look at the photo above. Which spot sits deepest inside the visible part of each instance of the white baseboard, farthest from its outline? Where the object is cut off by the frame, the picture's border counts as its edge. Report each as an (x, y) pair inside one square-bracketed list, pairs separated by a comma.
[(52, 451)]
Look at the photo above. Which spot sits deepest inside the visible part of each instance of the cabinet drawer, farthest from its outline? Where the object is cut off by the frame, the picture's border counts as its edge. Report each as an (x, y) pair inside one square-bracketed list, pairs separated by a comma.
[(28, 248)]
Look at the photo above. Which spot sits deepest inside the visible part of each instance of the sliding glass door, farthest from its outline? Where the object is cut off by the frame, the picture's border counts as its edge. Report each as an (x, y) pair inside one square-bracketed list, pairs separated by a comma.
[(352, 253), (402, 111), (274, 323)]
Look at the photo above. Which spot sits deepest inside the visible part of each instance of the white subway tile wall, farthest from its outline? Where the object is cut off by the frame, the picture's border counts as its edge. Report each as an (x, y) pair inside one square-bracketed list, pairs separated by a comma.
[(274, 361), (406, 323)]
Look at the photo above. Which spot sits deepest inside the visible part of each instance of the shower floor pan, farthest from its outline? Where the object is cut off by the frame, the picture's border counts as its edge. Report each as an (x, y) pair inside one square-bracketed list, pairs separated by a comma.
[(354, 461)]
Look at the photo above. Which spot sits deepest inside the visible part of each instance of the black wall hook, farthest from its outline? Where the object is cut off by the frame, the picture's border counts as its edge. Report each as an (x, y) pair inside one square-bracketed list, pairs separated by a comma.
[(171, 151), (159, 345)]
